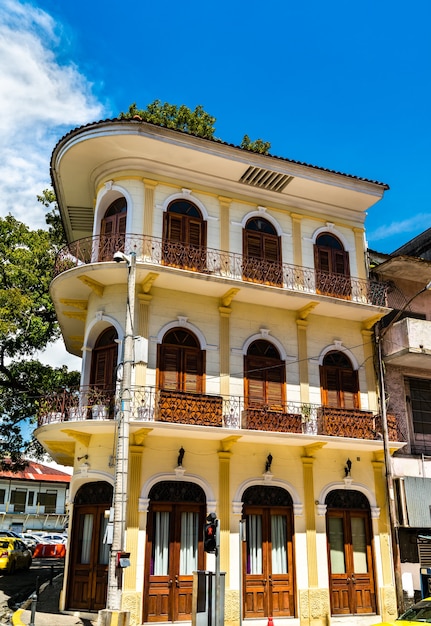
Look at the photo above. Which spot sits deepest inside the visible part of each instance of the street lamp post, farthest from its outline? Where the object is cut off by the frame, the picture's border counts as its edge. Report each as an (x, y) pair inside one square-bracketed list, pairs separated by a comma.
[(393, 517), (122, 451)]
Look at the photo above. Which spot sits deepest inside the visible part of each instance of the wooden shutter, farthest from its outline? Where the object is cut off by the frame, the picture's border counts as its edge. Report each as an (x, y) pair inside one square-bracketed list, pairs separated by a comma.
[(173, 227), (340, 262), (271, 248), (252, 244), (255, 382), (275, 386), (103, 367), (169, 367), (192, 374), (108, 225), (330, 386), (194, 233), (322, 257), (340, 387), (349, 389)]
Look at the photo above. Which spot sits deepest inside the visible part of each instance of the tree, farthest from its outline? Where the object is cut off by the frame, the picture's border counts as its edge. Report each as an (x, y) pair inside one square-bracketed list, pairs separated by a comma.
[(260, 146), (197, 122), (27, 324)]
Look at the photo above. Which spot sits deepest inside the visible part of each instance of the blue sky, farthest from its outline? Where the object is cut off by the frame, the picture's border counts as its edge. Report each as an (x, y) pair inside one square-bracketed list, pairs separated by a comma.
[(342, 85)]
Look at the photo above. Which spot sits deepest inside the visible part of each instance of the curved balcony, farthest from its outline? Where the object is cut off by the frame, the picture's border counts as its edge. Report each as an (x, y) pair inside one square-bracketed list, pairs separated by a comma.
[(216, 411), (220, 264)]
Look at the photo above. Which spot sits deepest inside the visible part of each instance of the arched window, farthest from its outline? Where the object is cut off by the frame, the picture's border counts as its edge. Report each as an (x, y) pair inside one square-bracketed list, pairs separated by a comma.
[(332, 266), (350, 554), (265, 376), (113, 230), (184, 236), (339, 381), (181, 362), (262, 252)]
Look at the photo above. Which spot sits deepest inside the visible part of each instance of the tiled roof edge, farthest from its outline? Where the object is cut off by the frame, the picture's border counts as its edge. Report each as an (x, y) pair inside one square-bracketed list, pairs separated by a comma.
[(224, 143)]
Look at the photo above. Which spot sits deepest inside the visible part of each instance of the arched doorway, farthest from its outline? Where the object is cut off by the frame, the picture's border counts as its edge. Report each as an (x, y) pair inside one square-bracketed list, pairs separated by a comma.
[(89, 554), (350, 555), (113, 230), (104, 359), (268, 565), (174, 550), (262, 252), (184, 236), (332, 266)]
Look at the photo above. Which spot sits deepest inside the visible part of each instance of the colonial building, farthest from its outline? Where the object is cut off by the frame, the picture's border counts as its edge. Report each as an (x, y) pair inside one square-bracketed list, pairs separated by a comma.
[(33, 499), (406, 349), (253, 391)]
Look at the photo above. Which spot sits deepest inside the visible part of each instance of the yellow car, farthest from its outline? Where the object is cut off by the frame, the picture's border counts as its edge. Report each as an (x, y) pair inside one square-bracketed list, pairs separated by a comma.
[(419, 613), (14, 554)]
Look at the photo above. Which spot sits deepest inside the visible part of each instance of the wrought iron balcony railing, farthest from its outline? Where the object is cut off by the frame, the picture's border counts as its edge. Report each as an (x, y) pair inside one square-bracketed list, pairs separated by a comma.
[(218, 263), (234, 412)]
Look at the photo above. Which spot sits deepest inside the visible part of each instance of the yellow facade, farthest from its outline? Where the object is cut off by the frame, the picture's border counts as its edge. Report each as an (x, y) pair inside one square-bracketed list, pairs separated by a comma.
[(252, 383)]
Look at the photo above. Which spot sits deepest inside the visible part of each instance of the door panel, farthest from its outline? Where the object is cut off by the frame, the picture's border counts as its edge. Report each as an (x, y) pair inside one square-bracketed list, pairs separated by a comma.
[(350, 562), (268, 563), (174, 552), (89, 561)]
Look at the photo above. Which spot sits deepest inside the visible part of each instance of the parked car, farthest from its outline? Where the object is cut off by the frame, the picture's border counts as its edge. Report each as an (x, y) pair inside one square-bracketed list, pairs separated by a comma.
[(9, 533), (14, 554), (419, 613), (53, 538), (30, 540)]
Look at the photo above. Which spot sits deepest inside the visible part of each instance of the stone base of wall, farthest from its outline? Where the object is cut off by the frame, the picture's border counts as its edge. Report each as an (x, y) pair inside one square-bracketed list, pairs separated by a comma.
[(132, 603), (231, 607), (314, 607), (388, 603)]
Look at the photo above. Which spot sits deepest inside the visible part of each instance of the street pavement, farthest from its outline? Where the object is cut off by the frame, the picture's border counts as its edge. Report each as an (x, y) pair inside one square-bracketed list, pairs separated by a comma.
[(46, 613)]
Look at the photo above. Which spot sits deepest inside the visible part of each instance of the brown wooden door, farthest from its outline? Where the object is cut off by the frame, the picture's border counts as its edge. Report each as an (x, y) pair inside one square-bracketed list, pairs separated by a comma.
[(184, 239), (339, 382), (174, 552), (265, 376), (268, 563), (89, 559), (181, 362), (350, 562), (262, 253), (113, 230), (332, 267)]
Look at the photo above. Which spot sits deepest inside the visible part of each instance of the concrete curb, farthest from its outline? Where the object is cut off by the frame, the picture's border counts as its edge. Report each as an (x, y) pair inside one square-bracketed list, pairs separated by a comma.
[(16, 617)]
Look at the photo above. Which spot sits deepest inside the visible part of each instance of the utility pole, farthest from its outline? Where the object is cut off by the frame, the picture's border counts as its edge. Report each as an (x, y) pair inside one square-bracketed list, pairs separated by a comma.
[(122, 454)]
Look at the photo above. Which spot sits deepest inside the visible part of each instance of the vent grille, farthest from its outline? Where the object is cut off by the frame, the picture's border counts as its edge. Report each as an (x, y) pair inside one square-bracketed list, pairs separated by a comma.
[(265, 179), (425, 554), (81, 218)]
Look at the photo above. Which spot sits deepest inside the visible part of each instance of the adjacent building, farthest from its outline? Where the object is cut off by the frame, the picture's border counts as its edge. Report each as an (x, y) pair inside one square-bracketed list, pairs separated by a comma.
[(406, 349), (34, 498), (252, 390)]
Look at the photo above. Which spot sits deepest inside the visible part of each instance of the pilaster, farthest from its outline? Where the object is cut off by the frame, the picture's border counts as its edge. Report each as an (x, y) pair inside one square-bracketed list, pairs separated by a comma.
[(297, 238), (387, 593), (150, 186), (360, 252)]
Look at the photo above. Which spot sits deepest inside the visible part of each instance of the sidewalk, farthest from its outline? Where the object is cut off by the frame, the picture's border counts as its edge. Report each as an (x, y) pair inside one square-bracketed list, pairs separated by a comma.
[(47, 613)]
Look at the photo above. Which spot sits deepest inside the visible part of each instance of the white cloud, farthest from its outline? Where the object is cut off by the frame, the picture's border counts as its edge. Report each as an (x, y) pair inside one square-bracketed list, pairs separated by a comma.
[(40, 100), (414, 224), (55, 355)]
